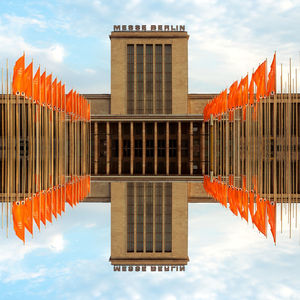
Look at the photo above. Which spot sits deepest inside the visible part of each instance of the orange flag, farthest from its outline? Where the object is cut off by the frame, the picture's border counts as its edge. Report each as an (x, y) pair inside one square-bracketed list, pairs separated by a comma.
[(69, 99), (49, 90), (36, 86), (271, 209), (49, 207), (63, 95), (36, 209), (28, 73), (260, 80), (43, 207), (54, 94), (54, 202), (251, 204), (259, 218), (89, 112), (63, 198), (18, 219), (251, 91), (43, 89), (28, 218), (271, 86), (59, 96), (69, 194), (18, 77), (59, 204)]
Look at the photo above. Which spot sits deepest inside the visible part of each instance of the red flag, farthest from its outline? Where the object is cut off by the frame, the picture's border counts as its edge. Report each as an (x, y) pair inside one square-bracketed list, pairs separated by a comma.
[(43, 207), (251, 91), (259, 218), (271, 209), (59, 96), (36, 86), (259, 77), (54, 202), (63, 99), (271, 86), (18, 77), (59, 204), (43, 89), (28, 218), (18, 219), (251, 204), (49, 90), (36, 209), (54, 94), (88, 112), (49, 206), (69, 194), (69, 99), (28, 73)]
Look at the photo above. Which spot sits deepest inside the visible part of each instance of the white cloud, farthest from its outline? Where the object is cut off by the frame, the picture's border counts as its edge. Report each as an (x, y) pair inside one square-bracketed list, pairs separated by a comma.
[(57, 243), (56, 53)]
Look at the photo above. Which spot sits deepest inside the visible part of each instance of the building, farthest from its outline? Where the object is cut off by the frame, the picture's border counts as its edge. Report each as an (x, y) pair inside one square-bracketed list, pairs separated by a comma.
[(148, 135)]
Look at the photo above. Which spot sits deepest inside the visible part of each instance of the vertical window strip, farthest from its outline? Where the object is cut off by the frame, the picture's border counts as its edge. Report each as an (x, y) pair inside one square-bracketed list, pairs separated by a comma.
[(149, 79), (158, 217), (140, 79), (168, 217), (130, 79), (158, 79), (130, 217), (149, 217), (140, 217), (168, 79)]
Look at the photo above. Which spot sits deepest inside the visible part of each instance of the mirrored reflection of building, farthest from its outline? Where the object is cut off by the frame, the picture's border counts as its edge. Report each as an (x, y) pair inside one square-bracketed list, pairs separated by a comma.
[(149, 223)]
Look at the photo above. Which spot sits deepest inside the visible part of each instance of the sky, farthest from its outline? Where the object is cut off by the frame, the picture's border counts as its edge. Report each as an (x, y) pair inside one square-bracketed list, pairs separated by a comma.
[(229, 259), (228, 39)]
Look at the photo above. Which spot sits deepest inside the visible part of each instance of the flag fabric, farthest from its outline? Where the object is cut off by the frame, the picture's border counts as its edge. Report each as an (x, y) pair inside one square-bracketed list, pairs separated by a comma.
[(36, 209), (49, 90), (28, 218), (18, 219), (260, 81), (271, 85), (43, 89), (18, 76), (59, 96), (251, 91), (69, 100), (271, 211), (28, 73), (63, 95), (36, 86), (54, 94), (43, 207)]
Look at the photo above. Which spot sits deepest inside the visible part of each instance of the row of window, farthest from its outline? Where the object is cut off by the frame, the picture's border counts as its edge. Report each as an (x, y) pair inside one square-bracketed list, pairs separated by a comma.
[(145, 103)]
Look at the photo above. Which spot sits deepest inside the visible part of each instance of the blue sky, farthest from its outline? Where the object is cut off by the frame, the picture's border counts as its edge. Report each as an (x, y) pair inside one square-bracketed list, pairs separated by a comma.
[(229, 259), (227, 38)]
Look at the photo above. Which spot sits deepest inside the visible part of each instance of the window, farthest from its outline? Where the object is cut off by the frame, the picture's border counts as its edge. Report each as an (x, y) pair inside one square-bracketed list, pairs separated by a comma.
[(168, 79), (158, 79), (130, 79)]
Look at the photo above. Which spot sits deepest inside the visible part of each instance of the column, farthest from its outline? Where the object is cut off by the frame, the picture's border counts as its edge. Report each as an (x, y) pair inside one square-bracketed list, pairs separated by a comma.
[(120, 144), (202, 148), (167, 147), (155, 148), (96, 148), (131, 148), (144, 148), (191, 148), (179, 148), (107, 148)]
